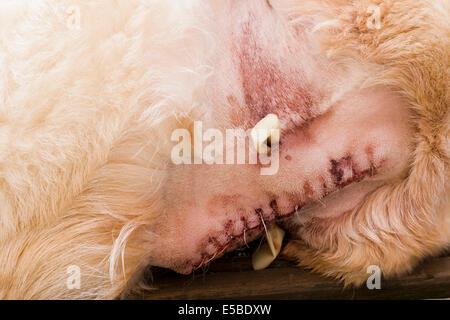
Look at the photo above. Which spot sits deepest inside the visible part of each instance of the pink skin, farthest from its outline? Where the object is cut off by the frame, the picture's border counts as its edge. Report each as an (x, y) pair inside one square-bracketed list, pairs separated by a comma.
[(339, 141)]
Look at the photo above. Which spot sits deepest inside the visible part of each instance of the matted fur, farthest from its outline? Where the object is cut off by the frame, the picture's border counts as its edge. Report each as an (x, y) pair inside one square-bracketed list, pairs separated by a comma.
[(81, 113), (403, 222)]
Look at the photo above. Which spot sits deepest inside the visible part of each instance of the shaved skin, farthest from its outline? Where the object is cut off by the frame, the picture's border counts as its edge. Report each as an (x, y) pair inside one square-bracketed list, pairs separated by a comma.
[(339, 141)]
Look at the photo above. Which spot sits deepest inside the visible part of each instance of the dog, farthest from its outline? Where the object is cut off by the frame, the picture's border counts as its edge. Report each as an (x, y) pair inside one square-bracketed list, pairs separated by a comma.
[(91, 93)]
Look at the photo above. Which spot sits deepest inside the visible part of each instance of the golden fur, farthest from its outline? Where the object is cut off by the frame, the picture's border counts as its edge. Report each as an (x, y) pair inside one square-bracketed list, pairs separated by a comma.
[(401, 223), (81, 113)]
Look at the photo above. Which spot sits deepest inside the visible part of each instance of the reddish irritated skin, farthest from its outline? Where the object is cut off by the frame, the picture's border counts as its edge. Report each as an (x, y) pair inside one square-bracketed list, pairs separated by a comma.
[(266, 88), (334, 135), (342, 171)]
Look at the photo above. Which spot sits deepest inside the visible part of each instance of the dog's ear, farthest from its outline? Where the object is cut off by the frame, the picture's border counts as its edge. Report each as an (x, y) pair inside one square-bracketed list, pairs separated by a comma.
[(70, 260), (400, 223)]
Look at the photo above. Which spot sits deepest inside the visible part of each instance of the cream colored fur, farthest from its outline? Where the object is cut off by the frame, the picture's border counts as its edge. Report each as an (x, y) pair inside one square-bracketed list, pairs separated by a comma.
[(403, 222), (81, 158)]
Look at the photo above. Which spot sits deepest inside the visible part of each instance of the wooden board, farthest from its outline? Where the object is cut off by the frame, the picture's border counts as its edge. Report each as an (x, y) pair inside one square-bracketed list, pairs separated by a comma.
[(232, 278)]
